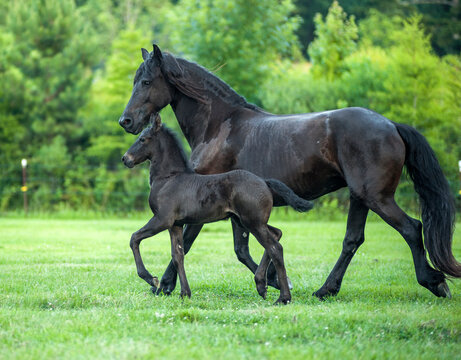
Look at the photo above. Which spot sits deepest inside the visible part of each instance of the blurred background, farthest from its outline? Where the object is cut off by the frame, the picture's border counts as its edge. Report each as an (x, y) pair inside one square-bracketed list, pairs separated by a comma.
[(67, 67)]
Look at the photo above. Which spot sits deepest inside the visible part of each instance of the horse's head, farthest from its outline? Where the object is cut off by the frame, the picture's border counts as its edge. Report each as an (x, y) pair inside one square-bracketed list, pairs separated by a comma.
[(145, 146), (151, 92)]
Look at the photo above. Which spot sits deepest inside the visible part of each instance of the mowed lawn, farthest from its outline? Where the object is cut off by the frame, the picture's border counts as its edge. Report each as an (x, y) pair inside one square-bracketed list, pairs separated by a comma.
[(69, 290)]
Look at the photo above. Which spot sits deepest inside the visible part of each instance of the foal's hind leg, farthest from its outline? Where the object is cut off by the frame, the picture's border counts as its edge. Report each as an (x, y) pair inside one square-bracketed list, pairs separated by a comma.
[(241, 237), (177, 253), (353, 239), (275, 250), (262, 270), (410, 229)]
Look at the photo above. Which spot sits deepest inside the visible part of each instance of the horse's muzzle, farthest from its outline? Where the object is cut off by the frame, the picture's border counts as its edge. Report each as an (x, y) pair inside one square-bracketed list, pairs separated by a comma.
[(126, 123)]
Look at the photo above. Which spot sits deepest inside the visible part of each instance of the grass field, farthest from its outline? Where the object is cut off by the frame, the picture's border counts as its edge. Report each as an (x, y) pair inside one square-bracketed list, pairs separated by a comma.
[(69, 289)]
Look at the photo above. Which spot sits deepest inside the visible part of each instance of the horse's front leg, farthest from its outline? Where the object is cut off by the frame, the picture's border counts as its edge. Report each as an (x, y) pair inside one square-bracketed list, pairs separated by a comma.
[(168, 282), (177, 253), (153, 227)]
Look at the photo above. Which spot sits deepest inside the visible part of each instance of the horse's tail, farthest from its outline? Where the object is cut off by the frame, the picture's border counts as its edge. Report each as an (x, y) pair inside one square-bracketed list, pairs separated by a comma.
[(280, 189), (437, 202)]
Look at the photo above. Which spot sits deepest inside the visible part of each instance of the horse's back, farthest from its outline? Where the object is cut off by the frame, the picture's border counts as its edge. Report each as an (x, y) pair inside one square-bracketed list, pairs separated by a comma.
[(314, 153)]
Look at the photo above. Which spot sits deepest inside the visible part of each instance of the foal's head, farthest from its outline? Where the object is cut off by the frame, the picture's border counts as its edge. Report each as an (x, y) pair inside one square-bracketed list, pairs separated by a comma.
[(146, 145)]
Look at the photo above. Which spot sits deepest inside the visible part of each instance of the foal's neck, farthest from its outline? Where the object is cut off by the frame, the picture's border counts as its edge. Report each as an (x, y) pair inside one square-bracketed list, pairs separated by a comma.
[(170, 160)]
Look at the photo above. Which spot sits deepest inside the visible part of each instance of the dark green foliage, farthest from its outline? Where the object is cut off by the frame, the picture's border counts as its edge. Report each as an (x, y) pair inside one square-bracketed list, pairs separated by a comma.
[(228, 36), (442, 19), (335, 40), (66, 71)]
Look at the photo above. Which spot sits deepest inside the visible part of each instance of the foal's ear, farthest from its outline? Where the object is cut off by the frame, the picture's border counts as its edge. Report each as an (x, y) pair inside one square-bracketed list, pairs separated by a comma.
[(157, 124), (145, 54), (158, 56)]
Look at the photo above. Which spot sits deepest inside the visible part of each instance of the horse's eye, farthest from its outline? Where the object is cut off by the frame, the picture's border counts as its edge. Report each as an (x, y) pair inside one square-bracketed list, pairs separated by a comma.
[(142, 139), (146, 82)]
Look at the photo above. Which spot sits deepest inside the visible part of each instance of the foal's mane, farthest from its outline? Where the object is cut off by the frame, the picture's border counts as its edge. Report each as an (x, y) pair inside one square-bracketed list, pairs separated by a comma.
[(195, 81), (174, 139)]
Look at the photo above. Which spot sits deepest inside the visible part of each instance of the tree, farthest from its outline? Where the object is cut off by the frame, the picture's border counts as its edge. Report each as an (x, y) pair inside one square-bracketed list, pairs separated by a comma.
[(335, 40), (240, 39), (46, 64), (420, 92)]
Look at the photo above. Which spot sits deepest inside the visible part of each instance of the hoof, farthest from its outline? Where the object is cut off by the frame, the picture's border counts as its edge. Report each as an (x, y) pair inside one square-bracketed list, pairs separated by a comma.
[(322, 295), (443, 290), (154, 285), (263, 293), (165, 289), (283, 301), (184, 294), (161, 291)]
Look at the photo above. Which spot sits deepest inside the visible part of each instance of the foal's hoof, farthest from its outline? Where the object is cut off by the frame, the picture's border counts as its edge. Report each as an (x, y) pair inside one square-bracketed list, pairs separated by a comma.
[(185, 293), (263, 292), (282, 301), (443, 290), (165, 288), (154, 285)]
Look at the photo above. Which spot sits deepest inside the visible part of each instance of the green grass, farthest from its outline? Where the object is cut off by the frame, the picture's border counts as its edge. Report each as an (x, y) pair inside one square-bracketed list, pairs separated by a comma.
[(69, 289)]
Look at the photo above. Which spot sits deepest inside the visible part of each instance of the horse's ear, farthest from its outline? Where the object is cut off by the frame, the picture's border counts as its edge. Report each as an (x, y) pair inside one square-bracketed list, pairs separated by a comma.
[(145, 54), (158, 56)]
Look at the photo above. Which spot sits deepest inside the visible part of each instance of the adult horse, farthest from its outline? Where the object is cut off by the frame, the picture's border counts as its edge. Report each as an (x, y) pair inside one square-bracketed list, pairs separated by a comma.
[(314, 154)]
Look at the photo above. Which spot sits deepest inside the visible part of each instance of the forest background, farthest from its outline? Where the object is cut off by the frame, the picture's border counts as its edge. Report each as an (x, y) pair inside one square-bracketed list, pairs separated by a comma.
[(66, 72)]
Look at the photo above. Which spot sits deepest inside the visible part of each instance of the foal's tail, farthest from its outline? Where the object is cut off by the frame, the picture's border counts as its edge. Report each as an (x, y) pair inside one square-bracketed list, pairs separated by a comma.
[(280, 189), (437, 203)]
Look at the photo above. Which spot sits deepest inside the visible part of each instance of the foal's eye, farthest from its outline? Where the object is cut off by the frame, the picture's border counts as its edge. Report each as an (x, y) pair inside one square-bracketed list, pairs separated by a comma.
[(146, 82), (142, 139)]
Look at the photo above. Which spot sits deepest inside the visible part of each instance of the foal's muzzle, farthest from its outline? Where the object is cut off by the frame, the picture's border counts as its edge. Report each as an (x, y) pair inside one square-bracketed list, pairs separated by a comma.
[(128, 161)]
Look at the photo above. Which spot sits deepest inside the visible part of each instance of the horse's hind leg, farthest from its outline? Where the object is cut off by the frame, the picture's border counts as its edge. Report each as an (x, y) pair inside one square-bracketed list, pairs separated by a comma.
[(410, 229), (168, 282), (353, 239)]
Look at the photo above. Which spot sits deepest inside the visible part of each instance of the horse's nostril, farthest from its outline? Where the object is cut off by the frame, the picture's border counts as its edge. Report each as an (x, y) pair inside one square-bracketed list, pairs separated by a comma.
[(126, 121), (123, 158)]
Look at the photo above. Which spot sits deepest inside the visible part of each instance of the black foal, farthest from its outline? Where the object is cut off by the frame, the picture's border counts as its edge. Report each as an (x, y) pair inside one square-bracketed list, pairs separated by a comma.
[(180, 196)]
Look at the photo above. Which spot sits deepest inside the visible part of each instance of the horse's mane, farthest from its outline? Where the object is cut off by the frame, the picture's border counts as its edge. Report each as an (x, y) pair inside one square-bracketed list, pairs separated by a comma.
[(195, 81)]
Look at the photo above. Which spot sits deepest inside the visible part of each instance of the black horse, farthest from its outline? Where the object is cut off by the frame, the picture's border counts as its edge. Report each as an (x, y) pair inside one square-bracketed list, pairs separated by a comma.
[(179, 196), (314, 154)]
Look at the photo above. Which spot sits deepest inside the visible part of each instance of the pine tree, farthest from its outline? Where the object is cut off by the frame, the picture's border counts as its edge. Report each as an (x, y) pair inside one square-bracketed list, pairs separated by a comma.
[(335, 40)]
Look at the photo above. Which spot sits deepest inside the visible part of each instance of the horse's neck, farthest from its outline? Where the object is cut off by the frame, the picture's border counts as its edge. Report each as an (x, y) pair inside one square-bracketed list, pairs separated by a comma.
[(196, 118)]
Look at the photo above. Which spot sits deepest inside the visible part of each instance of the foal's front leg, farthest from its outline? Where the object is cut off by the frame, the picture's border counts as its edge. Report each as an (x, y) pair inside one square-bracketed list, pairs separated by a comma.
[(153, 227), (177, 253), (168, 282)]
